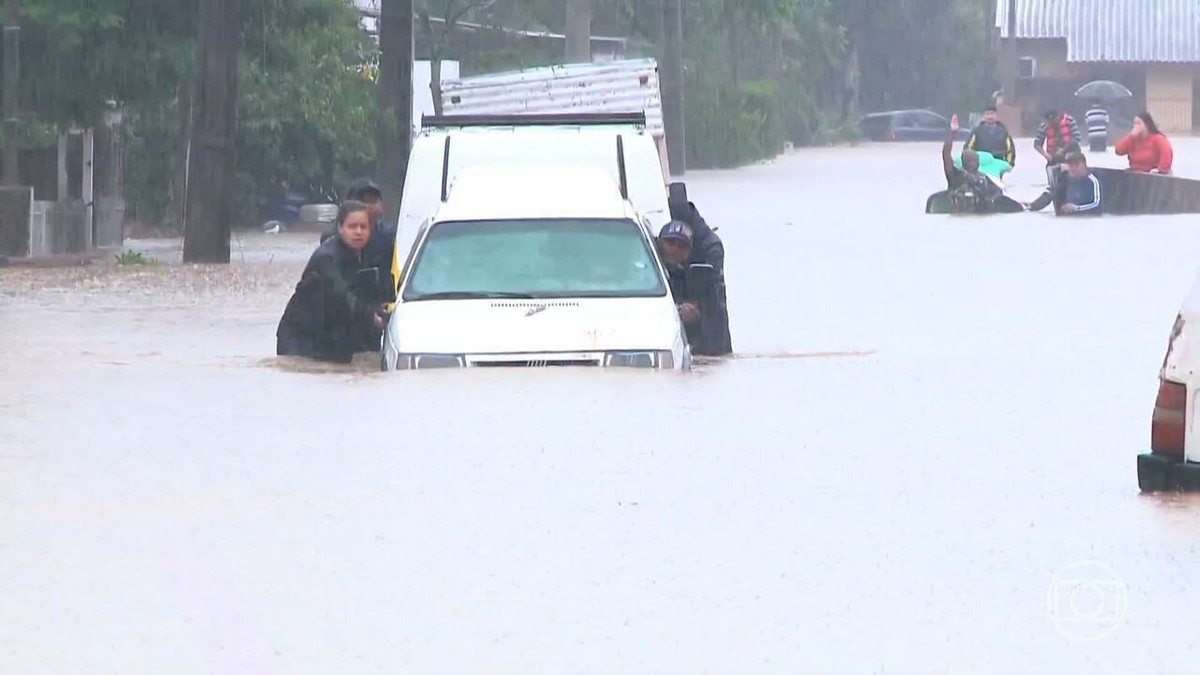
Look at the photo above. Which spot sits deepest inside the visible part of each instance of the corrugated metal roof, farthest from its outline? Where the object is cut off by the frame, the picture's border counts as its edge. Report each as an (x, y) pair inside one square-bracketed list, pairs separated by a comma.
[(1157, 31), (1036, 19), (613, 86)]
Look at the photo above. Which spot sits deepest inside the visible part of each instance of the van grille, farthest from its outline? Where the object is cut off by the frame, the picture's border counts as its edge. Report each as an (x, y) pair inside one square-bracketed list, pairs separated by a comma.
[(536, 364), (528, 303)]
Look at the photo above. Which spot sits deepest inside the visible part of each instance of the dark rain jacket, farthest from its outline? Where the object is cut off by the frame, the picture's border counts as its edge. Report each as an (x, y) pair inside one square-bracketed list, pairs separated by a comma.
[(330, 316), (995, 139), (710, 335)]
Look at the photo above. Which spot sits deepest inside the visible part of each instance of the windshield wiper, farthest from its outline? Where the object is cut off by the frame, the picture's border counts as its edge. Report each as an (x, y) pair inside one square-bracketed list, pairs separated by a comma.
[(470, 295)]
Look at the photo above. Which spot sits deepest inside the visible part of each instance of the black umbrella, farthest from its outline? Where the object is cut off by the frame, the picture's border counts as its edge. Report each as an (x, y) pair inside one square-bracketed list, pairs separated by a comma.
[(1104, 89)]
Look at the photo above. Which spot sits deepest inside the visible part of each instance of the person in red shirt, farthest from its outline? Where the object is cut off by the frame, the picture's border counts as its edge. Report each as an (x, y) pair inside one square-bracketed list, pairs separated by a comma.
[(1147, 148)]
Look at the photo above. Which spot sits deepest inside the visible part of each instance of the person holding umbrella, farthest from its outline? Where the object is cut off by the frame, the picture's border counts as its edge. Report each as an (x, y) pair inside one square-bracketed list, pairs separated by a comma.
[(1097, 115), (1097, 126)]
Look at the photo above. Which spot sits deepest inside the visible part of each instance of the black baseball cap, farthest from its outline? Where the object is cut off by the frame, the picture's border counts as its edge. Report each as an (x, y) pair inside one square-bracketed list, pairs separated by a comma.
[(678, 231)]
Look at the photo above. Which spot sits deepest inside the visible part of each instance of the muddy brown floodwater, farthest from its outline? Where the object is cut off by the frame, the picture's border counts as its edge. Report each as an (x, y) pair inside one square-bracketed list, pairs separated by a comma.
[(958, 498)]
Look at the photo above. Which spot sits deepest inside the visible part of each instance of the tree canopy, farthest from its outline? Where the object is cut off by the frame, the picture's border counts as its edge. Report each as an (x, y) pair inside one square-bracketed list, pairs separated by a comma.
[(757, 73)]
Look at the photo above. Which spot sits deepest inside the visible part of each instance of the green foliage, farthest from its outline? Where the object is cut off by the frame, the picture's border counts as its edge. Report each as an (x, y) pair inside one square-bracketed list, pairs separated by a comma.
[(306, 114), (76, 57), (757, 73), (128, 258), (149, 137)]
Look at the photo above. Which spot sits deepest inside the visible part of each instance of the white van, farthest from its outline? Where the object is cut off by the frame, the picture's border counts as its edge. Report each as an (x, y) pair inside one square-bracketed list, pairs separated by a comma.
[(1173, 462), (534, 265), (447, 145)]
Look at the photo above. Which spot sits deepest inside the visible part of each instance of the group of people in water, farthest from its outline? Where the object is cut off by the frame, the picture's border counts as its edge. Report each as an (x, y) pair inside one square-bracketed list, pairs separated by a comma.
[(1072, 187), (339, 306)]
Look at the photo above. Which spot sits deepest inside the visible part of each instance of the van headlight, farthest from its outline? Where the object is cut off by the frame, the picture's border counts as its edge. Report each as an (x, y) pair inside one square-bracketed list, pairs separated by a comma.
[(423, 361), (640, 359)]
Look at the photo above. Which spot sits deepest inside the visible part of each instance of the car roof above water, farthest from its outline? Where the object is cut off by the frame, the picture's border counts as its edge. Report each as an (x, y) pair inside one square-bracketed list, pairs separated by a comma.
[(534, 191)]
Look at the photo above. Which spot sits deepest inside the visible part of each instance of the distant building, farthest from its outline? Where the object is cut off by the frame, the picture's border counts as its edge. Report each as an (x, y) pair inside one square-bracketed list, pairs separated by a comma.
[(1150, 46)]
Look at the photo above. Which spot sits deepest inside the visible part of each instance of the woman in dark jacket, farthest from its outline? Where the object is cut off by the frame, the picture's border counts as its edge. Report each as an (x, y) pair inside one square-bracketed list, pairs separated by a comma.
[(330, 317)]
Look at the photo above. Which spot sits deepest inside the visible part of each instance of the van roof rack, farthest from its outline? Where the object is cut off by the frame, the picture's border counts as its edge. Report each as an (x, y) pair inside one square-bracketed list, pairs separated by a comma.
[(533, 119)]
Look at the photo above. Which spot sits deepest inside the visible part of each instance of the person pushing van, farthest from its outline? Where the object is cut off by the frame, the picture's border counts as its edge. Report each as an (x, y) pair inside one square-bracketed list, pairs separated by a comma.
[(378, 252), (706, 323)]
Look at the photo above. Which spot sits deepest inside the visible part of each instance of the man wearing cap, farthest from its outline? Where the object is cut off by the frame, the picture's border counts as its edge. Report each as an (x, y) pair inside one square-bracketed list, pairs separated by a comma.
[(706, 244), (378, 252), (707, 324)]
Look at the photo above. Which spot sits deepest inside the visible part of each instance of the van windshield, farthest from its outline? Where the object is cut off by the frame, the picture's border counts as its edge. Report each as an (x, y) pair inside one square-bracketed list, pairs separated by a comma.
[(542, 258)]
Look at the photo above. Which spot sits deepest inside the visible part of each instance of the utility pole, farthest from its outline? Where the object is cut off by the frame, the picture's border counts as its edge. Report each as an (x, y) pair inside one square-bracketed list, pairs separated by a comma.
[(579, 31), (671, 80), (394, 100), (1010, 55), (213, 159), (12, 73)]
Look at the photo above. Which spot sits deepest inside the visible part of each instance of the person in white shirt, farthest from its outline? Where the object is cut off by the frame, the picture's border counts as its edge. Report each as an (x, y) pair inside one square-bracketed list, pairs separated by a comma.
[(1097, 126)]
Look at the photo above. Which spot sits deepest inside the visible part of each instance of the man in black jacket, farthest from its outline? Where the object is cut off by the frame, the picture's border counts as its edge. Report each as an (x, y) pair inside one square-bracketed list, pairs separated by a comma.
[(992, 136), (681, 244)]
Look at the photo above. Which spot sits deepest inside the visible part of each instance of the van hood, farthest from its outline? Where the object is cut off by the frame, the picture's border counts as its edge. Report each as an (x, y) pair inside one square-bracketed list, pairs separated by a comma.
[(503, 326)]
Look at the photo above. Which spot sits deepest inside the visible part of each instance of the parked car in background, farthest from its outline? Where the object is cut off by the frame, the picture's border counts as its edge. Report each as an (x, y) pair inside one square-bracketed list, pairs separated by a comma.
[(298, 207), (906, 125), (1173, 462)]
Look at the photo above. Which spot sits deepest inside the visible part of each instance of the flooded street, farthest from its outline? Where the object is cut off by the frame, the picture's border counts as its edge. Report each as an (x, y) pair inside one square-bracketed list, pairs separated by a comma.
[(174, 498)]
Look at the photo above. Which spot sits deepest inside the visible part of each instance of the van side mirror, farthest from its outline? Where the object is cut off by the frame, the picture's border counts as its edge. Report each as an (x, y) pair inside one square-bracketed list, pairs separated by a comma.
[(700, 279), (677, 200)]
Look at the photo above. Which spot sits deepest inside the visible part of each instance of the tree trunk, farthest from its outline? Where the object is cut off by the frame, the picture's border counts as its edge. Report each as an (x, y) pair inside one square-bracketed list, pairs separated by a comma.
[(214, 135), (850, 86), (732, 53), (777, 54), (436, 47), (579, 31), (671, 84), (394, 101), (660, 37), (435, 82), (1010, 55), (12, 74), (177, 190)]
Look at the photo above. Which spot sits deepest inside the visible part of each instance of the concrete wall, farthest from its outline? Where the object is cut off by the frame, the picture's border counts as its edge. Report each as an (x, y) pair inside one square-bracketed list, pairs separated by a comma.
[(1051, 58), (15, 203), (1169, 96)]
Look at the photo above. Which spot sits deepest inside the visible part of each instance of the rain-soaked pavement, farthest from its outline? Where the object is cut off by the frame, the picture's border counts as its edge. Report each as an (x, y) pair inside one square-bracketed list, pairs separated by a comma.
[(173, 498)]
